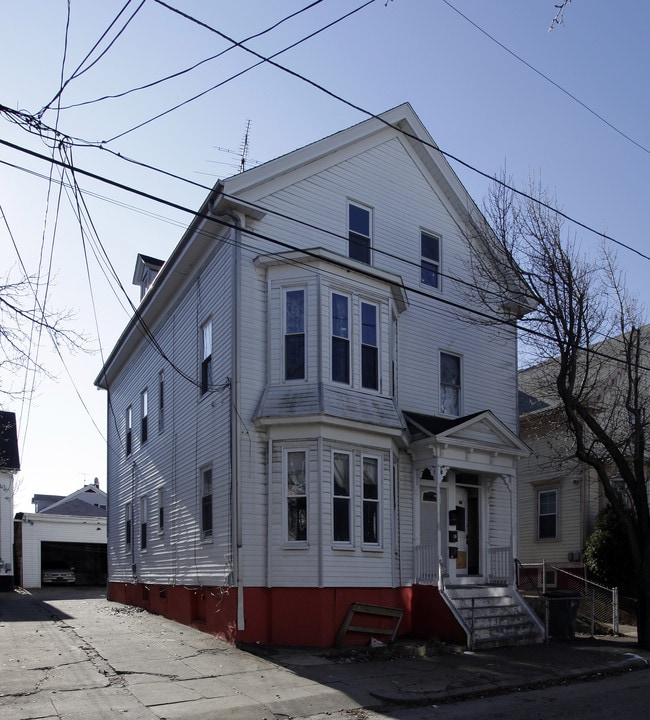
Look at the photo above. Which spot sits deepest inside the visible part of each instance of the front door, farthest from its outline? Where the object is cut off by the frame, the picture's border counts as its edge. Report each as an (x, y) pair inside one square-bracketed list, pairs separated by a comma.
[(467, 530)]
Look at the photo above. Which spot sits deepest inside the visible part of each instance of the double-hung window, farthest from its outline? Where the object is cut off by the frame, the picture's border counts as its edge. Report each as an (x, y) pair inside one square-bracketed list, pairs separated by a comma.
[(161, 510), (430, 259), (369, 347), (144, 417), (371, 500), (294, 334), (547, 514), (129, 430), (342, 499), (206, 357), (296, 495), (161, 401), (143, 522), (128, 517), (340, 338), (206, 503), (359, 233), (450, 384)]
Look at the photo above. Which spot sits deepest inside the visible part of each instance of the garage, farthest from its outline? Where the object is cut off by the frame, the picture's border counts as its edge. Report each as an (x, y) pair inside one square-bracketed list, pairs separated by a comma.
[(88, 560)]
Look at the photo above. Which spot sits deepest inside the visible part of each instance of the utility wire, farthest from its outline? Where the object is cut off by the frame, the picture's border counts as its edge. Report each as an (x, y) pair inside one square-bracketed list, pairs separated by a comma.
[(236, 75), (410, 135), (78, 72), (287, 246), (546, 77), (196, 65)]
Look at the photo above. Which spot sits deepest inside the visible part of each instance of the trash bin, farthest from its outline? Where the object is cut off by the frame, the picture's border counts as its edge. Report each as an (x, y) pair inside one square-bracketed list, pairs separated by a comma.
[(562, 613)]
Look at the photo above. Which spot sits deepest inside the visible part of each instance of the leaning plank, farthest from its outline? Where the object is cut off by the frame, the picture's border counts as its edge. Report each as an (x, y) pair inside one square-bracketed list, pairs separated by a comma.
[(373, 610)]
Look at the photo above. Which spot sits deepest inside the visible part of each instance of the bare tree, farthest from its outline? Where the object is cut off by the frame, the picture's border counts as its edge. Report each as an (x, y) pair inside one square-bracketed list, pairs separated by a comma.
[(585, 336), (25, 324)]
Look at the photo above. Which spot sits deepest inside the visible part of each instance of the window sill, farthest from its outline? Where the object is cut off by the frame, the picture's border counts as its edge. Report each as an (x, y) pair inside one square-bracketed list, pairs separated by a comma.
[(296, 546), (372, 548), (347, 547)]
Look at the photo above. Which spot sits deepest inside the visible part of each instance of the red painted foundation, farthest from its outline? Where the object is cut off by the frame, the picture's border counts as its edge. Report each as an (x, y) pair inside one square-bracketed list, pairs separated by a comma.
[(292, 616)]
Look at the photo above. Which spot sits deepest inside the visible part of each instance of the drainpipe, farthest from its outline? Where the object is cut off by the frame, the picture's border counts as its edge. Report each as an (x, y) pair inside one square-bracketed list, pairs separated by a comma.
[(235, 450)]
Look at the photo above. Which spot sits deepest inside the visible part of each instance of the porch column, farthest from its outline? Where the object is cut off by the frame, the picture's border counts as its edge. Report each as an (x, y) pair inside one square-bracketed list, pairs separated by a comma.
[(440, 472)]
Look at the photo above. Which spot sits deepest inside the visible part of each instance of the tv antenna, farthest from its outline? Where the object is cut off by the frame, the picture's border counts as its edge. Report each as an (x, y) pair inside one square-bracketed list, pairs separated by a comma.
[(242, 153)]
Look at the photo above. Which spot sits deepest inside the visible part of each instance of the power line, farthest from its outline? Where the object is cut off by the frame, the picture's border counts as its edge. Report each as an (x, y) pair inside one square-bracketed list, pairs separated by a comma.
[(287, 246), (195, 65), (236, 75), (412, 136), (546, 77)]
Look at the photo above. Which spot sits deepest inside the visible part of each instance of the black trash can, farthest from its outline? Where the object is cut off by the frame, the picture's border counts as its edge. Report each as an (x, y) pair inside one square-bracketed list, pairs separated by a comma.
[(562, 613)]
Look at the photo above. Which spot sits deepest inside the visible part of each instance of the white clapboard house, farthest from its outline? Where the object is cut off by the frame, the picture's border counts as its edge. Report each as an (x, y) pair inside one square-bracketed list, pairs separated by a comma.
[(303, 416)]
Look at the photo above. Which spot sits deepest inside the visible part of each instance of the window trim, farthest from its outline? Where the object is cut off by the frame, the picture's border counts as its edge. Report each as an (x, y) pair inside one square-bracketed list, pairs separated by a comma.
[(375, 347), (556, 514), (207, 500), (129, 430), (128, 526), (207, 338), (376, 502), (286, 515), (349, 497), (358, 236), (144, 416), (426, 260), (340, 339), (286, 334), (458, 387), (160, 496), (161, 401), (143, 523)]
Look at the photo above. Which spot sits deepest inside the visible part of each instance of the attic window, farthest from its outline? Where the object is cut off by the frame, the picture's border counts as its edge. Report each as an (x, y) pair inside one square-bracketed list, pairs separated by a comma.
[(359, 233)]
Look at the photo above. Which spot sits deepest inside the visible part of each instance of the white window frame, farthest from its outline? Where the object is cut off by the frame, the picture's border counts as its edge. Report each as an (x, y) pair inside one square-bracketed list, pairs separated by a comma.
[(144, 416), (425, 260), (286, 334), (160, 496), (548, 491), (161, 401), (289, 494), (128, 419), (144, 537), (359, 235), (207, 368), (376, 502), (206, 532), (335, 337), (376, 346), (458, 387), (342, 498), (128, 527)]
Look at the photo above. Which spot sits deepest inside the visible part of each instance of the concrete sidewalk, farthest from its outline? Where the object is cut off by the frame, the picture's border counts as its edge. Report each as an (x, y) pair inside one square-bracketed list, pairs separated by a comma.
[(70, 653)]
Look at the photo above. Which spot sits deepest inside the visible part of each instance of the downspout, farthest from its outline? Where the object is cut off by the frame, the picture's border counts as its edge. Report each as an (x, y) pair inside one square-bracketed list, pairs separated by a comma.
[(235, 449)]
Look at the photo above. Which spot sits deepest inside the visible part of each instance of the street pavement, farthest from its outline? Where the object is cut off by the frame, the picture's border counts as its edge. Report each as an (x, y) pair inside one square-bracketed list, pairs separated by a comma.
[(69, 653)]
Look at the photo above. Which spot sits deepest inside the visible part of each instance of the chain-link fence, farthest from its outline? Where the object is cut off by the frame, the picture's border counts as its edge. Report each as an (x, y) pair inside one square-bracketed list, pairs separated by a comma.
[(598, 608)]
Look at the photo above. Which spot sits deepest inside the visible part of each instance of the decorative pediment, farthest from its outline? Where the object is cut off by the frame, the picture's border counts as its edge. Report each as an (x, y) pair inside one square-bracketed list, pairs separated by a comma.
[(478, 439)]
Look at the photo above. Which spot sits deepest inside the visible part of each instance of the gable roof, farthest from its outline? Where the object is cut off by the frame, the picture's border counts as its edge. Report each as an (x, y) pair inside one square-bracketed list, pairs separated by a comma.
[(88, 501), (241, 192), (9, 459), (480, 430)]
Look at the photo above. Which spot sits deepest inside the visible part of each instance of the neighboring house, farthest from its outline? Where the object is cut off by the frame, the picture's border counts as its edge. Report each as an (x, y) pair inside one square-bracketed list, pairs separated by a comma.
[(560, 497), (302, 415), (9, 466), (65, 531)]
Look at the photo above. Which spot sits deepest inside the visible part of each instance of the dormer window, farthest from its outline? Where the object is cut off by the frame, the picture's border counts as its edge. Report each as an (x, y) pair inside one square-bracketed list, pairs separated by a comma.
[(146, 270)]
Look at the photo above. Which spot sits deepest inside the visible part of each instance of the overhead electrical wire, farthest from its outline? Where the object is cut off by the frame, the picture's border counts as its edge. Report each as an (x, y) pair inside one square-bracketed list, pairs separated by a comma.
[(179, 73), (236, 75), (286, 246), (548, 79), (78, 72)]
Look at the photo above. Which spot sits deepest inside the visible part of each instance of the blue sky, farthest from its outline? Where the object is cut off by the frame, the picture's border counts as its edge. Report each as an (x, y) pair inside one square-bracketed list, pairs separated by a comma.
[(479, 102)]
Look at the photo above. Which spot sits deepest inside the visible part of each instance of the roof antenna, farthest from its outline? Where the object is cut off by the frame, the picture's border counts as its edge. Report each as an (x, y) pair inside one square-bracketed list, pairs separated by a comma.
[(244, 148)]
